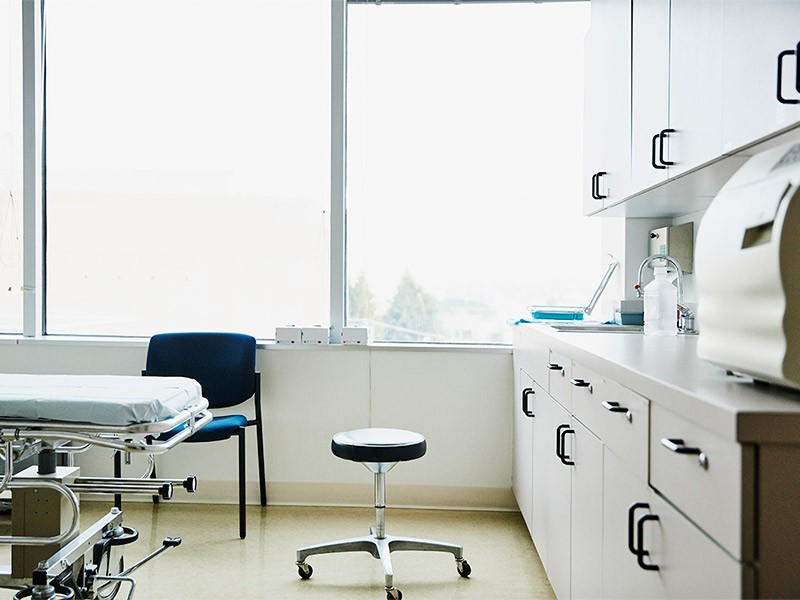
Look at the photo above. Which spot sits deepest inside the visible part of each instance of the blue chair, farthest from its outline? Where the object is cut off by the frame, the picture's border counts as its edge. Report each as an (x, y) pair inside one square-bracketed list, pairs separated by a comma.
[(225, 366)]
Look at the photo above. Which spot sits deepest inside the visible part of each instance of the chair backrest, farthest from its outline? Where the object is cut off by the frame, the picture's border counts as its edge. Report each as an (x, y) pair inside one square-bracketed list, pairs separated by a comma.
[(223, 363)]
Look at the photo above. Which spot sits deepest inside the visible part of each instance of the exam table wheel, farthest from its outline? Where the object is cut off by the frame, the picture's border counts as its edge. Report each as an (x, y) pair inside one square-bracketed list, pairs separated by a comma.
[(463, 568), (394, 594), (53, 593), (304, 570)]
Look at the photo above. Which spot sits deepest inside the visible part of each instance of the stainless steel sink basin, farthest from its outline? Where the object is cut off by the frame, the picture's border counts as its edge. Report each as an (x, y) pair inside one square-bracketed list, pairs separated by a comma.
[(596, 327)]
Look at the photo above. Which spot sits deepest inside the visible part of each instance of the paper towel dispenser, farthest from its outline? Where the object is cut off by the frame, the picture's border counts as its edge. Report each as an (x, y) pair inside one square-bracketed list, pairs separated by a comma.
[(747, 269)]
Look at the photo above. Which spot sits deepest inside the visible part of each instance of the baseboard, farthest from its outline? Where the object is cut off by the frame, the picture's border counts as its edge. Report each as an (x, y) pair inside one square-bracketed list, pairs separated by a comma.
[(347, 494)]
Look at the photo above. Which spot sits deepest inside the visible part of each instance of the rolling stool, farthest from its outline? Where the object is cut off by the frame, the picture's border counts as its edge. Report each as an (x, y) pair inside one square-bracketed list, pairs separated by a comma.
[(380, 450)]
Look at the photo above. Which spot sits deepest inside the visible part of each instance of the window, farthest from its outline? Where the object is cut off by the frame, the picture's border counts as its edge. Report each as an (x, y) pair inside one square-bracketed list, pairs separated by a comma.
[(188, 165), (464, 150), (11, 226)]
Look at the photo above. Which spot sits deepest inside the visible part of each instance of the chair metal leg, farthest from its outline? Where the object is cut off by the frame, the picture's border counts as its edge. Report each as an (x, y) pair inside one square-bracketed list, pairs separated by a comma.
[(242, 504), (262, 476), (381, 545)]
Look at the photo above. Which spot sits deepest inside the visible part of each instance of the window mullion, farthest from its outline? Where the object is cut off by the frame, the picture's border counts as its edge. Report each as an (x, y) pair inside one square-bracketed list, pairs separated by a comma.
[(338, 279)]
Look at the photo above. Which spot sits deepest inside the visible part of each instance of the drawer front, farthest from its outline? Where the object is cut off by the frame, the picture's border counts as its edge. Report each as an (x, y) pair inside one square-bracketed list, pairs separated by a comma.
[(624, 425), (531, 356), (560, 368), (586, 388), (700, 473)]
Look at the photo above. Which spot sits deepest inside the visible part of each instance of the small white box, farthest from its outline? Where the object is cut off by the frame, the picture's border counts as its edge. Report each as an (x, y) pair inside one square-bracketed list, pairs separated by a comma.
[(356, 335), (288, 335), (316, 335)]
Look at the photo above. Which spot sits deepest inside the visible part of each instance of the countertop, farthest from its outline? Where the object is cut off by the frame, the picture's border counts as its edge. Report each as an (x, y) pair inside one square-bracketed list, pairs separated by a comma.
[(667, 371)]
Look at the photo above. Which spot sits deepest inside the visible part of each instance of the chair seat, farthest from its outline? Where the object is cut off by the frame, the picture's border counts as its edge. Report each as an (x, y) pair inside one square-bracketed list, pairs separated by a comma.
[(220, 428), (378, 445)]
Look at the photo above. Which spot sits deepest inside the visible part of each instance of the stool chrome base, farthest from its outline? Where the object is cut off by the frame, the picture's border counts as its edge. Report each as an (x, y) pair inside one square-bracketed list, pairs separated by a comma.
[(381, 548)]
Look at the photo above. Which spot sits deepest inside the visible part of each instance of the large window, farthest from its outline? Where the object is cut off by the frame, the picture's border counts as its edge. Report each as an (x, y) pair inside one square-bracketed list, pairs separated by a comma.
[(464, 150), (11, 226), (188, 160)]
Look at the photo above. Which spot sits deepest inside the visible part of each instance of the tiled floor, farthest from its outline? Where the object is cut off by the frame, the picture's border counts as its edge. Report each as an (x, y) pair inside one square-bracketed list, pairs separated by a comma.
[(213, 563)]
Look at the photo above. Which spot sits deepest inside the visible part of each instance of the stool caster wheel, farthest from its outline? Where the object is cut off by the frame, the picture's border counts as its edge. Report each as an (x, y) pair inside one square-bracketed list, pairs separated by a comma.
[(393, 593), (304, 570), (463, 568)]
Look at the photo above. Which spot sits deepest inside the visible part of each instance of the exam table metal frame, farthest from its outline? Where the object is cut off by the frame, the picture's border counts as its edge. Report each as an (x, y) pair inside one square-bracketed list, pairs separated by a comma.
[(67, 573)]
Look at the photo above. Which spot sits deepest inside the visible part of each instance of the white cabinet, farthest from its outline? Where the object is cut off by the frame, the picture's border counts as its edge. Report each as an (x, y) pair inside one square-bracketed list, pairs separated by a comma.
[(760, 43), (652, 551), (677, 70), (607, 150), (705, 79), (522, 460)]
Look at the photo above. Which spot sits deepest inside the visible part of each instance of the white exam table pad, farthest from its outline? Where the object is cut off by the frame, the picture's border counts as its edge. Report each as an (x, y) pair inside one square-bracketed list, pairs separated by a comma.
[(114, 400)]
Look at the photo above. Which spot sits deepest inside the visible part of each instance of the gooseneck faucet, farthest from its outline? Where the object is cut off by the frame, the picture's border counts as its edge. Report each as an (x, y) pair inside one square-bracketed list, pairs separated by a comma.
[(685, 314)]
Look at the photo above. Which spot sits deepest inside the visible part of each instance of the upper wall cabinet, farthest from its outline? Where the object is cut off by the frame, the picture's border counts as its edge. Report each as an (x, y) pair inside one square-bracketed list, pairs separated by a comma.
[(607, 149), (706, 82), (762, 78)]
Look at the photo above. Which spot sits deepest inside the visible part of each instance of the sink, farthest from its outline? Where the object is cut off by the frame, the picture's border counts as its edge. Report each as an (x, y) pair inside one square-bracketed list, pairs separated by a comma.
[(596, 327)]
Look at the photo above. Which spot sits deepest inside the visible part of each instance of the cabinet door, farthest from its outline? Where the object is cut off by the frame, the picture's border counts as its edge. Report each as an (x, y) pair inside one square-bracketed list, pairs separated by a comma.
[(559, 480), (542, 453), (756, 34), (695, 83), (522, 455), (689, 564), (650, 68), (587, 513), (607, 107)]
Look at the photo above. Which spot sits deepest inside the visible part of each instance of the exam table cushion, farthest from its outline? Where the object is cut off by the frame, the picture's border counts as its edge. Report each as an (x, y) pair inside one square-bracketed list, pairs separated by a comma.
[(97, 399)]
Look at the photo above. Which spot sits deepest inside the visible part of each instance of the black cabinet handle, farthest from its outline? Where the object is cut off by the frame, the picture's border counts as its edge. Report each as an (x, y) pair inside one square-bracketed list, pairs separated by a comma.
[(677, 445), (594, 187), (599, 195), (561, 433), (653, 153), (525, 393), (781, 99), (612, 406), (631, 510), (555, 367), (640, 551), (797, 70), (661, 136), (581, 383)]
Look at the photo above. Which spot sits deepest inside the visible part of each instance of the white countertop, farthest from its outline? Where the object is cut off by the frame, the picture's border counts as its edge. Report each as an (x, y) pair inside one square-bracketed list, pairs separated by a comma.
[(667, 371)]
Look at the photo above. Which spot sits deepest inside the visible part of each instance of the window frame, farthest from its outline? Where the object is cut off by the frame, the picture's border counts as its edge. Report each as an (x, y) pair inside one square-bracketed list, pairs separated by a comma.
[(33, 142)]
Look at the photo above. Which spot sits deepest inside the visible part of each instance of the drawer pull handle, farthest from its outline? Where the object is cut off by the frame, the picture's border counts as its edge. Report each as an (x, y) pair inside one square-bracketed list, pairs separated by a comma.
[(612, 406), (581, 383), (555, 367), (640, 551), (561, 433), (525, 408), (676, 445)]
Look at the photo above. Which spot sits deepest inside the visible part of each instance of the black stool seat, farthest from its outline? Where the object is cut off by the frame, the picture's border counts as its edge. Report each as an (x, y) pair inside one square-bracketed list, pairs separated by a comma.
[(377, 445)]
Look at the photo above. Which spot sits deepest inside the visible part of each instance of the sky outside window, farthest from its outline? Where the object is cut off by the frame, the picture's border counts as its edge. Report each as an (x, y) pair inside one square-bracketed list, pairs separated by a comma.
[(464, 137)]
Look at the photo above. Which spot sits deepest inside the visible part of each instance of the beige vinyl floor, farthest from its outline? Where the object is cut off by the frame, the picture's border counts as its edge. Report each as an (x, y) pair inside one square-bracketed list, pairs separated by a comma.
[(213, 563)]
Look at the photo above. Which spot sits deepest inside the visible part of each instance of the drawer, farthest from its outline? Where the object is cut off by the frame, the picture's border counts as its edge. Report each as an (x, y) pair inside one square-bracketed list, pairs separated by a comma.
[(586, 387), (560, 368), (624, 425), (702, 474)]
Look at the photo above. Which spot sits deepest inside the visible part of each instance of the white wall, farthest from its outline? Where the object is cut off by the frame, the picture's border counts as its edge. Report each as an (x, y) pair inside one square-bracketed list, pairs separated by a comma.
[(459, 398)]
